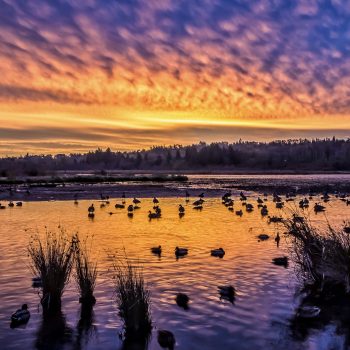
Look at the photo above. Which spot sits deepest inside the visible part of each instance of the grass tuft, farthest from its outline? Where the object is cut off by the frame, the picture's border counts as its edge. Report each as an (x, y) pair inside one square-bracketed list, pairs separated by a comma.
[(52, 258), (133, 300)]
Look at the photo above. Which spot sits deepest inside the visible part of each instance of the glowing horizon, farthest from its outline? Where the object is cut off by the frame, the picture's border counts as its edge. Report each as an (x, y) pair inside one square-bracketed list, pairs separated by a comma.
[(128, 75)]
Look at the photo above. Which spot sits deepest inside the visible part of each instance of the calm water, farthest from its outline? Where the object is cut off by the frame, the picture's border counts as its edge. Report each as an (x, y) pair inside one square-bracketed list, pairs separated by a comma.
[(266, 299)]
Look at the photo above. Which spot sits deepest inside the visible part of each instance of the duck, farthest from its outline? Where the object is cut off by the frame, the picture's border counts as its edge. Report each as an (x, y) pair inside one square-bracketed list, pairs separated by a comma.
[(263, 237), (91, 208), (275, 219), (37, 282), (182, 300), (281, 261), (227, 292), (279, 205), (260, 201), (198, 202), (2, 206), (264, 211), (217, 252), (119, 206), (277, 238), (239, 212), (242, 197), (153, 215), (181, 209), (308, 311), (319, 208), (249, 207), (155, 200), (136, 201), (181, 251), (166, 339), (11, 204), (21, 316), (130, 208), (19, 204), (157, 250)]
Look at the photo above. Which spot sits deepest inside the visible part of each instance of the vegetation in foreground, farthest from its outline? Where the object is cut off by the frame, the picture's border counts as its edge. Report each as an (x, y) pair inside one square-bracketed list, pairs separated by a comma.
[(133, 300), (85, 272), (322, 257), (52, 260)]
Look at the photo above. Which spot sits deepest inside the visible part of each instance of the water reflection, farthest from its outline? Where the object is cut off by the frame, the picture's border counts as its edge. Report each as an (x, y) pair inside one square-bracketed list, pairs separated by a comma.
[(85, 327), (53, 333)]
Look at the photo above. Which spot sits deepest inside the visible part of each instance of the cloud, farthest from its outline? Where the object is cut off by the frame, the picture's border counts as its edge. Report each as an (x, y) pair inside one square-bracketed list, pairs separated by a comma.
[(231, 59)]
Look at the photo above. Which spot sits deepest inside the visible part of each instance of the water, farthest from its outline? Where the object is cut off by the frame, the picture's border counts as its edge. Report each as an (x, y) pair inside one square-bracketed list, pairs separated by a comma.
[(266, 299)]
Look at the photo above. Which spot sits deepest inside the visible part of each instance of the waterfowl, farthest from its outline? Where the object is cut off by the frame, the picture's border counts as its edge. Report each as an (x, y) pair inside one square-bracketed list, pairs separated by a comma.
[(102, 205), (198, 202), (136, 201), (119, 206), (166, 339), (227, 292), (91, 208), (130, 208), (277, 239), (242, 197), (181, 209), (308, 311), (11, 204), (181, 251), (2, 206), (263, 237), (319, 208), (37, 282), (182, 300), (239, 212), (21, 316), (259, 200), (264, 211), (279, 205), (19, 204), (155, 200), (157, 250), (217, 252), (249, 207), (153, 215), (275, 219), (280, 261)]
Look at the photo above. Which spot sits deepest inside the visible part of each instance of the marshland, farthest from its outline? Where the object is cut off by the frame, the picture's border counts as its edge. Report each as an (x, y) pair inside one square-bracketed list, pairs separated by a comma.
[(110, 257)]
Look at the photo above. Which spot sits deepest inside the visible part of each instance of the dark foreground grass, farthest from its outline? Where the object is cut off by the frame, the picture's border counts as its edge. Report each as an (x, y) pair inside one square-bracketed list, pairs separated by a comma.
[(52, 259), (322, 257), (133, 300), (85, 271)]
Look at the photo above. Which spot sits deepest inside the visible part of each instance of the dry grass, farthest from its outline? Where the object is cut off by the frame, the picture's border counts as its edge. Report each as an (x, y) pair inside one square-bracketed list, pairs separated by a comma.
[(85, 271), (322, 256), (133, 300), (52, 258)]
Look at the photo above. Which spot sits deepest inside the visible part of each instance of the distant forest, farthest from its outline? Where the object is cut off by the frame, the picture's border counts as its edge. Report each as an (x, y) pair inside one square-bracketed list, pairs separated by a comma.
[(289, 155)]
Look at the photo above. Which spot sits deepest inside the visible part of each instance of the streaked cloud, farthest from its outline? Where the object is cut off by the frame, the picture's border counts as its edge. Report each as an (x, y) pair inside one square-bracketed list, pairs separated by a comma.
[(121, 61)]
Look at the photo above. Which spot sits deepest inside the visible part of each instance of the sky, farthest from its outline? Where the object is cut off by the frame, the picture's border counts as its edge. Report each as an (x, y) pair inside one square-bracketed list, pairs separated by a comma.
[(128, 74)]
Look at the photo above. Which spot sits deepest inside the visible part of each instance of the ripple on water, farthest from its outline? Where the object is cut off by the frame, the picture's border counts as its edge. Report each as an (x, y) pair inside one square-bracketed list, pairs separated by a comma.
[(258, 318)]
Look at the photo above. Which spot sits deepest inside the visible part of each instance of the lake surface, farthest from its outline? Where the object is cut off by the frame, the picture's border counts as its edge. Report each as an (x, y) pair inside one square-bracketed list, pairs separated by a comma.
[(260, 318)]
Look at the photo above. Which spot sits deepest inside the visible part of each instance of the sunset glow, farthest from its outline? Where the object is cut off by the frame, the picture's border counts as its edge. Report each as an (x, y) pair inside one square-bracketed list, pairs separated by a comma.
[(130, 74)]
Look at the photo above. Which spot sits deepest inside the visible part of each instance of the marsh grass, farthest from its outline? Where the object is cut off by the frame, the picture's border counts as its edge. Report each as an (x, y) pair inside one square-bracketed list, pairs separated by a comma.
[(85, 271), (133, 300), (321, 256), (52, 258)]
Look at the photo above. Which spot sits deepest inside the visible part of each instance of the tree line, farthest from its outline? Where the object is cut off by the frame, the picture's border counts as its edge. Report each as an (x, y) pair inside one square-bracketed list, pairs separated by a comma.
[(283, 155)]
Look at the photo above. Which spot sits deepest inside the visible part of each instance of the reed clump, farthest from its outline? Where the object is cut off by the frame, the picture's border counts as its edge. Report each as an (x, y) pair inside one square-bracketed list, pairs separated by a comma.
[(133, 300), (322, 256), (85, 271), (52, 259)]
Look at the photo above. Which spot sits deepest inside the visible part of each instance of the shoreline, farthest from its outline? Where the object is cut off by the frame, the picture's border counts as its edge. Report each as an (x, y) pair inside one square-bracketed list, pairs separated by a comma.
[(212, 185)]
